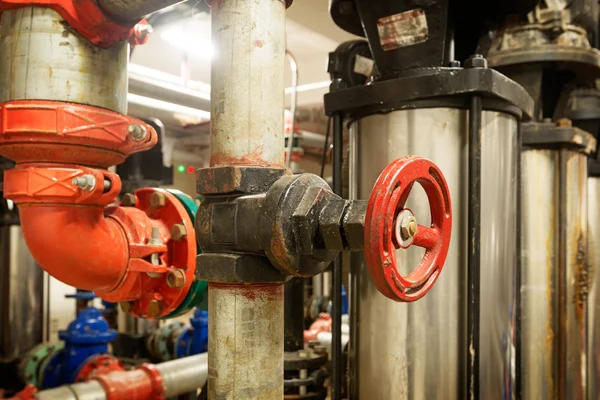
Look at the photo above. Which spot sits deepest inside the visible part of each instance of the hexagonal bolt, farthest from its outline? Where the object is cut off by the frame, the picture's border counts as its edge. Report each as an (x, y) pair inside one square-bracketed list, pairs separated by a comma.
[(128, 200), (354, 224), (408, 227), (86, 182), (154, 308), (157, 200), (176, 279), (178, 232), (137, 132), (126, 306), (476, 61)]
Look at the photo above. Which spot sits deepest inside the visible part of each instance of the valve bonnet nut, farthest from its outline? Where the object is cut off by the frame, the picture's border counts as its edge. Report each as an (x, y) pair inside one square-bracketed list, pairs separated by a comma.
[(178, 232), (157, 200), (154, 308)]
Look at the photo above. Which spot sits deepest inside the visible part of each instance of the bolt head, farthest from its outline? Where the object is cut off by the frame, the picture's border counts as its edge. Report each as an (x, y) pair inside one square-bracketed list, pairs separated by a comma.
[(454, 64), (476, 61), (137, 132), (176, 279), (154, 309), (126, 306), (178, 232), (128, 200), (157, 200)]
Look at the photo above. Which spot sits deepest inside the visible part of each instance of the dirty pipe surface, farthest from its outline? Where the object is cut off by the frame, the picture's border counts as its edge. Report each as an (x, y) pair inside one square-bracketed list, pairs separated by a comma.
[(247, 83), (245, 352)]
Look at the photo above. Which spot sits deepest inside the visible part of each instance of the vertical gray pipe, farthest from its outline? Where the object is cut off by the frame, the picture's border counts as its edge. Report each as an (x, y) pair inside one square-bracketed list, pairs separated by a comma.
[(245, 349), (41, 58), (247, 87), (593, 359)]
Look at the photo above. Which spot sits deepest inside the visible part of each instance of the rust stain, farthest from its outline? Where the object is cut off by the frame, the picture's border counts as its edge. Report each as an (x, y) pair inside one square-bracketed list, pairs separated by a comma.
[(550, 336), (259, 43), (255, 158)]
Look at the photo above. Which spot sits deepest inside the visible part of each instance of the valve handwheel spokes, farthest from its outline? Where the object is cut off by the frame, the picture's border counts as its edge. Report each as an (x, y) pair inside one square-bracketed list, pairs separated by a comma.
[(390, 226)]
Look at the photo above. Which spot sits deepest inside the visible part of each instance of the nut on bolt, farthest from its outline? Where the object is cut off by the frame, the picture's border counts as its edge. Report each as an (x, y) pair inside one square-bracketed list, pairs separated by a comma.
[(126, 306), (476, 61), (128, 200), (138, 132), (86, 182), (408, 227), (157, 200), (154, 308), (176, 279), (178, 232)]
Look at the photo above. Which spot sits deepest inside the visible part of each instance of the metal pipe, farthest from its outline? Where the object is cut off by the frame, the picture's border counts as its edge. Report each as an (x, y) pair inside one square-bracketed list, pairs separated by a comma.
[(593, 361), (355, 267), (181, 376), (245, 350), (294, 69), (336, 325), (42, 59), (293, 324), (247, 83), (133, 10), (147, 86), (474, 223)]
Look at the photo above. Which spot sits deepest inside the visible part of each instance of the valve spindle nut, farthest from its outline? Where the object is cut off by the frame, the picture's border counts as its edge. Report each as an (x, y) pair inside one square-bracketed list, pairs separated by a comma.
[(176, 279), (137, 132), (178, 232), (154, 308), (408, 227), (157, 200), (128, 200), (126, 306)]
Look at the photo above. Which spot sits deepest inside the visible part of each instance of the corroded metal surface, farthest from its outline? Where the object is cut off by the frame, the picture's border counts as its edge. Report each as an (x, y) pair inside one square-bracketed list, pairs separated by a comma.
[(247, 83), (245, 352), (593, 366), (44, 59), (554, 274)]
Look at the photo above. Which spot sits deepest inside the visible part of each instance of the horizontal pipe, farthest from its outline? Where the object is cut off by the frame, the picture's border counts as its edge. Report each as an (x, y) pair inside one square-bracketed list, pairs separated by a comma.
[(133, 10), (180, 376)]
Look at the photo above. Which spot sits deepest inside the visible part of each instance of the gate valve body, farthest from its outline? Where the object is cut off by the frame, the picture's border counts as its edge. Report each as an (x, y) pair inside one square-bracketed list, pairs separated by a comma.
[(303, 225)]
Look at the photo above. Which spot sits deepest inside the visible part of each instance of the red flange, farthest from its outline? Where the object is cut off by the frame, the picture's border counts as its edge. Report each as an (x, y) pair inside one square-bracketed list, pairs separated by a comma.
[(82, 15), (386, 231), (98, 365)]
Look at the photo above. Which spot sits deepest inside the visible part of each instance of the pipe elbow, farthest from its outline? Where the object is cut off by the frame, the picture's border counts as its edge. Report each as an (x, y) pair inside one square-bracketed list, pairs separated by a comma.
[(76, 244)]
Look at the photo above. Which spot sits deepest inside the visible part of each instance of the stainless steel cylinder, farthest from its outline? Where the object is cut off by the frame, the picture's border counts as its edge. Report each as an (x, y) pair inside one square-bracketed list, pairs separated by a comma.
[(418, 350), (133, 10), (553, 274), (245, 350), (247, 83), (133, 326), (593, 348), (21, 296), (43, 58)]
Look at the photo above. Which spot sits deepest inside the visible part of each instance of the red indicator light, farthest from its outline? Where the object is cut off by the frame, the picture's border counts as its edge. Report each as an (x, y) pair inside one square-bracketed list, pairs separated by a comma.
[(191, 170)]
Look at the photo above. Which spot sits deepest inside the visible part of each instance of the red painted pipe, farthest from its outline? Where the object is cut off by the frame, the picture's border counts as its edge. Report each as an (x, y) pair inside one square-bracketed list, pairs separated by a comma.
[(79, 246)]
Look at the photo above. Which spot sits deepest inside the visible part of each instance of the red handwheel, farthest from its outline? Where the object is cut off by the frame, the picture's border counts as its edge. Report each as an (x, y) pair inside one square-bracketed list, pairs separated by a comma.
[(389, 226)]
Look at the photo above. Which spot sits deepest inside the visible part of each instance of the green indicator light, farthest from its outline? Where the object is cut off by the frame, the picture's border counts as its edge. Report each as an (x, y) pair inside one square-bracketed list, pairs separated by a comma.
[(181, 168)]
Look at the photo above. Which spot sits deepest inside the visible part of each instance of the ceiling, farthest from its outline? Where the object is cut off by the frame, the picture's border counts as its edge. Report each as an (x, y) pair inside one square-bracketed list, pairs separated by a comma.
[(311, 35)]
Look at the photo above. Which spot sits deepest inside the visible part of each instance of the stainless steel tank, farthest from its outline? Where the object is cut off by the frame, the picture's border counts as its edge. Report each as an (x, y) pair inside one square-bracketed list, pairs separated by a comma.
[(593, 354), (21, 296), (419, 350), (554, 273)]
